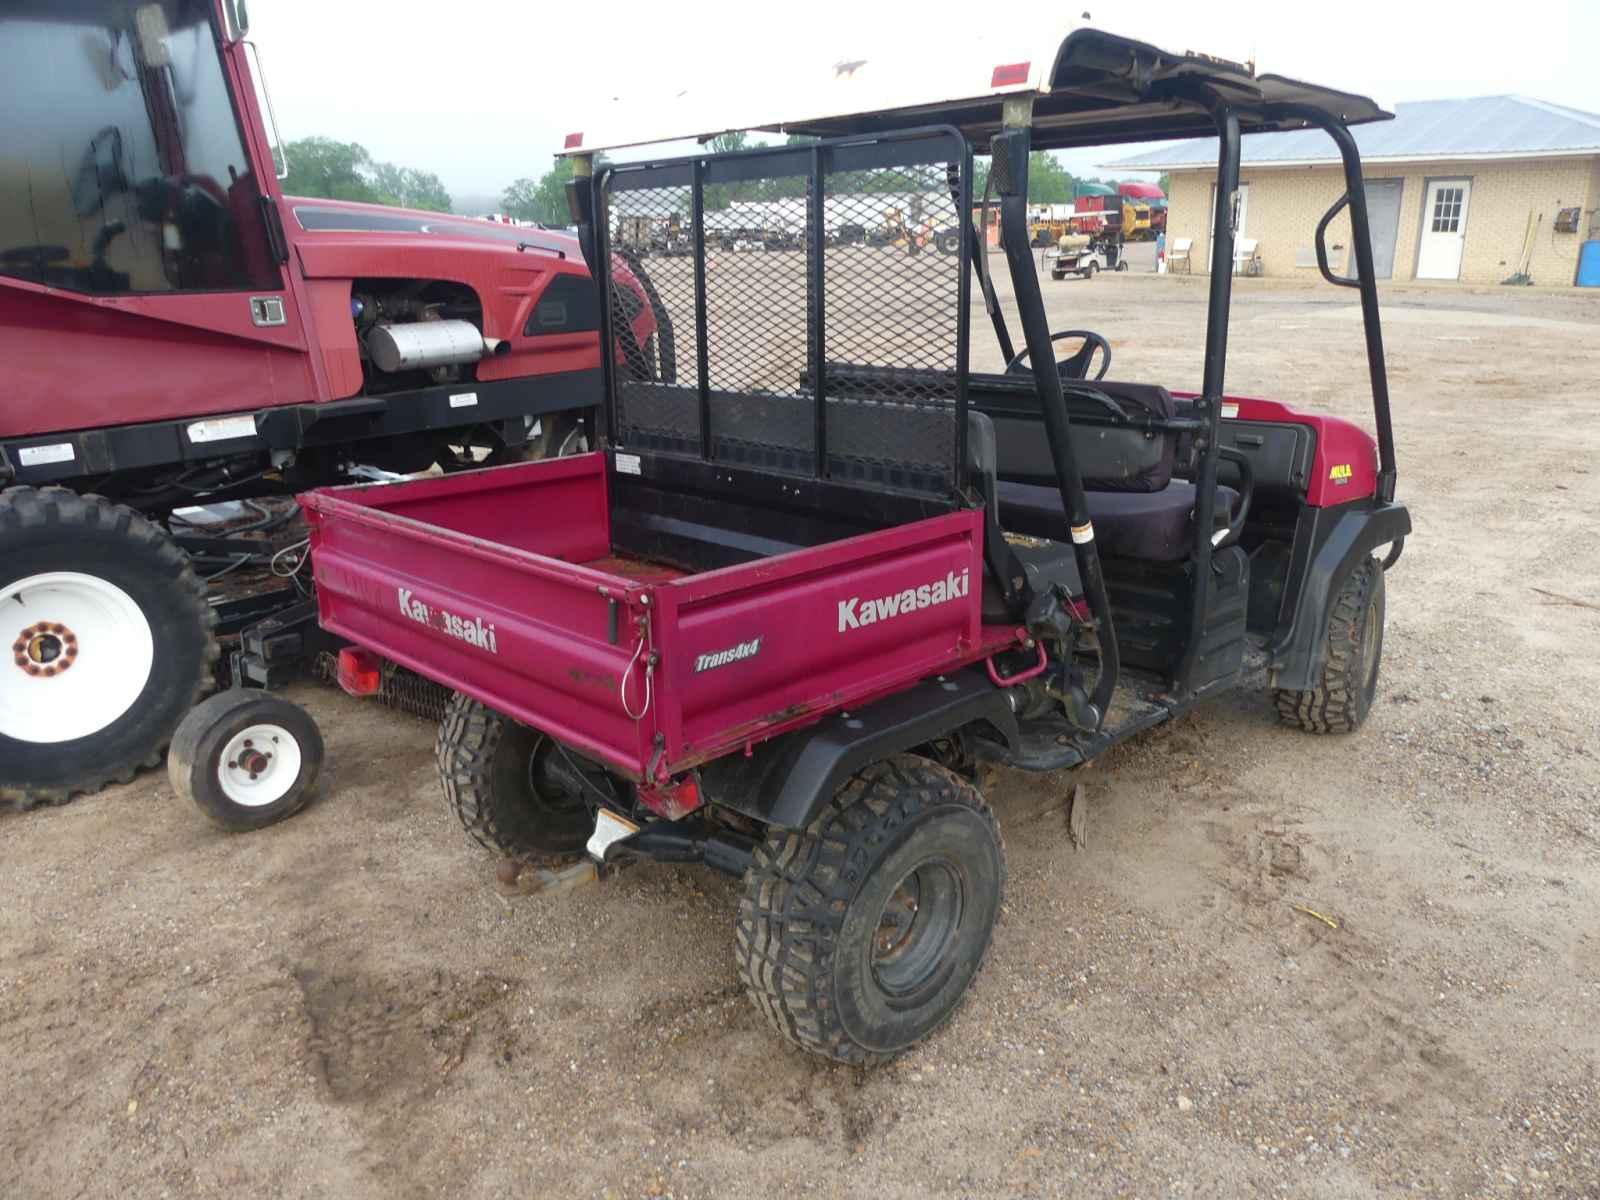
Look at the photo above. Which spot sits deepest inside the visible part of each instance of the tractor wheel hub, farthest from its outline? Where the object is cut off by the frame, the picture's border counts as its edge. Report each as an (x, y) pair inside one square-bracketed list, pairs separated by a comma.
[(82, 655), (45, 649)]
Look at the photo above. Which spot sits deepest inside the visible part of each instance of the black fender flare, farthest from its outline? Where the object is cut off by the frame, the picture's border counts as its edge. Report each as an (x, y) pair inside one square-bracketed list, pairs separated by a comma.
[(1354, 533), (786, 781)]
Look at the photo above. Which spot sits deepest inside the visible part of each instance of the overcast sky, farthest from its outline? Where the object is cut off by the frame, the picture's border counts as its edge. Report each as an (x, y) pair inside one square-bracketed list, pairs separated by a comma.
[(482, 92)]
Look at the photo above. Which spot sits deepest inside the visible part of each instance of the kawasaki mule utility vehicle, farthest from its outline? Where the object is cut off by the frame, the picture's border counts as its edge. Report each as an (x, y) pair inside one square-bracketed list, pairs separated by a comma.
[(820, 568)]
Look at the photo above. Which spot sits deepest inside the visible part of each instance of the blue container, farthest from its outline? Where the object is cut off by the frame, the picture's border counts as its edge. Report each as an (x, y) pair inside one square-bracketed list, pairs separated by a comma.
[(1589, 265)]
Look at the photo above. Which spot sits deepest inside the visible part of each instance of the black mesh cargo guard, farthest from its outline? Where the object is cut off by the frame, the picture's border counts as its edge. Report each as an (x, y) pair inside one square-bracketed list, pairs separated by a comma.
[(798, 310)]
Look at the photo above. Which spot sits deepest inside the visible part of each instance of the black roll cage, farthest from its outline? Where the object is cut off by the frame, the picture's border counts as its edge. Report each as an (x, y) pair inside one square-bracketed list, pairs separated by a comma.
[(1219, 101), (1010, 150)]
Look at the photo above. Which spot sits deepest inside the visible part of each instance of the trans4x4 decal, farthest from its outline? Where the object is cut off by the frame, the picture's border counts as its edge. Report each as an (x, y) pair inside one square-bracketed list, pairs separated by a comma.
[(855, 612), (732, 654)]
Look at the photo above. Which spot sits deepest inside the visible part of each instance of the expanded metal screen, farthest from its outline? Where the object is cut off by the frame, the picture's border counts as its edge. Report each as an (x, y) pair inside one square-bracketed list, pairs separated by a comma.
[(768, 305)]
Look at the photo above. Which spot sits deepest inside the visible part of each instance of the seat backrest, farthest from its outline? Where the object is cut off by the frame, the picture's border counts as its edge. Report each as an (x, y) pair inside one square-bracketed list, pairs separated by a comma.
[(1180, 247), (1246, 247), (983, 458), (1110, 459)]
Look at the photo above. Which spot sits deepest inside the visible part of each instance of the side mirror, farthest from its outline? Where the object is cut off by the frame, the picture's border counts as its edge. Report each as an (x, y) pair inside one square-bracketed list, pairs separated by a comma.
[(238, 19)]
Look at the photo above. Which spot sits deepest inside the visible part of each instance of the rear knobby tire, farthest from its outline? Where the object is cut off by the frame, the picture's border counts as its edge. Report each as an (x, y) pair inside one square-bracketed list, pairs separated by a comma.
[(816, 937), (246, 759), (140, 639), (1349, 683), (508, 785)]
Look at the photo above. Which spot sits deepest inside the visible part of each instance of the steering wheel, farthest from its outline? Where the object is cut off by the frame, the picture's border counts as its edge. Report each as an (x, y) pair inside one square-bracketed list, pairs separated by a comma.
[(1077, 366)]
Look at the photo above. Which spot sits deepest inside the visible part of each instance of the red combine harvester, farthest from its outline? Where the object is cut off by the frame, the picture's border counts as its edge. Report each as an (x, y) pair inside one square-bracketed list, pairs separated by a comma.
[(175, 331), (821, 572)]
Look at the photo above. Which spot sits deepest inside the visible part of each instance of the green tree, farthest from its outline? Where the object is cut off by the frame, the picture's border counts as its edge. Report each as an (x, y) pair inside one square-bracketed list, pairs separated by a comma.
[(321, 166), (1165, 184), (724, 143), (544, 199), (409, 187), (1048, 181)]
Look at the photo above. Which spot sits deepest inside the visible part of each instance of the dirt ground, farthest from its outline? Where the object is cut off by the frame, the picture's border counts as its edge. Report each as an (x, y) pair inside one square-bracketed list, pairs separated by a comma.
[(345, 1006)]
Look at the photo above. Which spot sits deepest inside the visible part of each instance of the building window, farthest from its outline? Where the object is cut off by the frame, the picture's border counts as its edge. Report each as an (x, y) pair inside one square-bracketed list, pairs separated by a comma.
[(1447, 209)]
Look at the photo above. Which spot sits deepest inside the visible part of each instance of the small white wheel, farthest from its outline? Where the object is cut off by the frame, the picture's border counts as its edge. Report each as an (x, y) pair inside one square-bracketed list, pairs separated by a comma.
[(246, 759), (259, 765)]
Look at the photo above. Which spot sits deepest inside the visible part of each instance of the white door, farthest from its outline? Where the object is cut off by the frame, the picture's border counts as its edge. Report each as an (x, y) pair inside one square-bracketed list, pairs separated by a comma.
[(1444, 229), (1244, 208)]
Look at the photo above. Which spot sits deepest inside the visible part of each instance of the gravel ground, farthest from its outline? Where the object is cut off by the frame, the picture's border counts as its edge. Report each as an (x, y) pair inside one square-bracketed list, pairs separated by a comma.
[(345, 1006)]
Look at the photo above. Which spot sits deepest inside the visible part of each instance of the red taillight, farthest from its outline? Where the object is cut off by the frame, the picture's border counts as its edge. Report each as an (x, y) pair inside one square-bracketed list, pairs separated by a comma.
[(675, 799), (574, 140), (1008, 74), (360, 671)]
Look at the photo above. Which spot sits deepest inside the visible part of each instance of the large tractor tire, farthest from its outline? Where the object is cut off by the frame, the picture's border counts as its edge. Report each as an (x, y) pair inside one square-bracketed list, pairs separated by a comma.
[(108, 644), (1344, 694), (859, 935), (514, 789)]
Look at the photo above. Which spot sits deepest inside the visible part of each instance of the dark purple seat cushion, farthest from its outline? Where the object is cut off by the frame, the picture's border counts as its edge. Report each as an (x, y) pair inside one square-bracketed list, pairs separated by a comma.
[(1154, 526)]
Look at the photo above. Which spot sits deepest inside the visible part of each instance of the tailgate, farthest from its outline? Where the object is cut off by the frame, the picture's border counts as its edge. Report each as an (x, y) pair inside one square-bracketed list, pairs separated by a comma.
[(544, 641)]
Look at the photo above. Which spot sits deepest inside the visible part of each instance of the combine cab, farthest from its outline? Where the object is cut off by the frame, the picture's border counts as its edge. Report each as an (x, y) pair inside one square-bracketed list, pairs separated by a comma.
[(175, 331)]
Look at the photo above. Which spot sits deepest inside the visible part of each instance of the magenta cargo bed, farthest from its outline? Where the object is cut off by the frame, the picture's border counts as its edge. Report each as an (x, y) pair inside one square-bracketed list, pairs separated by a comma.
[(502, 584)]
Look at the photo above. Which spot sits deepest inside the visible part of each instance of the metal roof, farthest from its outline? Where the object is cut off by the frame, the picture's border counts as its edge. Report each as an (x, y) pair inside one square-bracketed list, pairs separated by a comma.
[(1479, 127), (1091, 87)]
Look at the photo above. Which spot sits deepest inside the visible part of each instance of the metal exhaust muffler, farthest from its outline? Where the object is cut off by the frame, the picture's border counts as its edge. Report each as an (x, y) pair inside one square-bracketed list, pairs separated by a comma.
[(418, 345)]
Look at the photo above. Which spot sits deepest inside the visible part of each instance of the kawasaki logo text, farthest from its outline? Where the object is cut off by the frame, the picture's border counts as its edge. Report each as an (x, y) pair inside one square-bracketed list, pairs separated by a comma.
[(469, 630), (856, 612)]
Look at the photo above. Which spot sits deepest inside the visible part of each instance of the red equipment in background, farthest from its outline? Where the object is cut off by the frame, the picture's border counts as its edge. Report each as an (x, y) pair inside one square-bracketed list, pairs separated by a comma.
[(175, 331), (1146, 195)]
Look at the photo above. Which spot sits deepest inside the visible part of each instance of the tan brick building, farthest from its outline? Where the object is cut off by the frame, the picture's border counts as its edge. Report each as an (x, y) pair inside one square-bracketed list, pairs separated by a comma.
[(1466, 190)]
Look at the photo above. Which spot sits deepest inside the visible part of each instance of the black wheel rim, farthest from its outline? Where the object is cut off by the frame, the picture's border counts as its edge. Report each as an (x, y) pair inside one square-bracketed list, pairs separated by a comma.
[(916, 930), (562, 785)]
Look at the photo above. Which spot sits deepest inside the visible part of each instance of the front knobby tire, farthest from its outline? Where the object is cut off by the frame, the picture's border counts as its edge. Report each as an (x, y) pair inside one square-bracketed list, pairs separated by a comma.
[(1349, 682), (859, 935), (107, 641)]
